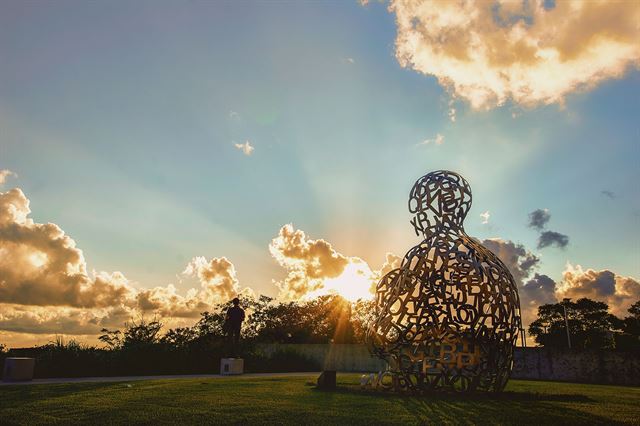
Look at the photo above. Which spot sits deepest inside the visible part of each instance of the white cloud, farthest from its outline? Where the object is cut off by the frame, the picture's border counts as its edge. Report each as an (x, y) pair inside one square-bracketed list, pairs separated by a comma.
[(490, 52), (485, 217), (246, 148)]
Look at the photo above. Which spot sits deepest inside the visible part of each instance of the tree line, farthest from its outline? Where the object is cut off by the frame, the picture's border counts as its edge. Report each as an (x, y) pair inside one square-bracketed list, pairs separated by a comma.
[(142, 347)]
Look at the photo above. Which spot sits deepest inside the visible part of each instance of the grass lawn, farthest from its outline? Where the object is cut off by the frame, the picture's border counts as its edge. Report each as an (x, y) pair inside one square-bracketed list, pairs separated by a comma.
[(293, 400)]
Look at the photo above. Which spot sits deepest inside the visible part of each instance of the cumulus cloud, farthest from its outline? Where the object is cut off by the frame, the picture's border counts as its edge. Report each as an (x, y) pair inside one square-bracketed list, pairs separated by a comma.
[(217, 277), (308, 262), (62, 320), (314, 267), (246, 148), (41, 265), (45, 286), (540, 290), (530, 52), (4, 174), (552, 238), (485, 217), (539, 218), (617, 291)]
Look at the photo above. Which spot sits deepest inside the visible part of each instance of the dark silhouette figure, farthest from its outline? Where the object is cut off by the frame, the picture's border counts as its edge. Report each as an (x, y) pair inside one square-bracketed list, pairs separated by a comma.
[(234, 318)]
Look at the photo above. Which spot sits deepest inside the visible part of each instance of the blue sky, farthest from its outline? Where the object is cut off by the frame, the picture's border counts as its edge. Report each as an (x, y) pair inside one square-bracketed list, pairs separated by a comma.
[(121, 119)]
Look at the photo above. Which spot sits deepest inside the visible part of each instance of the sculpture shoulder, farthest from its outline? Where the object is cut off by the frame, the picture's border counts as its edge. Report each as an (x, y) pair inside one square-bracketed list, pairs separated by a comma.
[(430, 255), (488, 260), (435, 254)]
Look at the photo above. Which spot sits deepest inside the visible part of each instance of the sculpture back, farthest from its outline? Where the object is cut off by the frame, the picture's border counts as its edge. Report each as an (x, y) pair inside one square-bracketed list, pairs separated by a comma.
[(449, 317)]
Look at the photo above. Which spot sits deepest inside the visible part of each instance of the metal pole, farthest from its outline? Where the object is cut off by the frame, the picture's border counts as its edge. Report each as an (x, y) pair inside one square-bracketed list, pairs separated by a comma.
[(566, 322)]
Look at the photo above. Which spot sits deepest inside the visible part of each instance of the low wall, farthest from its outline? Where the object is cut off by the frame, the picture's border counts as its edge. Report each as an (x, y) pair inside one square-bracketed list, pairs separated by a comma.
[(603, 367), (340, 357)]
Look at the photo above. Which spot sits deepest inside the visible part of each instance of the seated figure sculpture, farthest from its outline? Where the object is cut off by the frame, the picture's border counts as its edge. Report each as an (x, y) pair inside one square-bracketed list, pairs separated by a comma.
[(449, 317)]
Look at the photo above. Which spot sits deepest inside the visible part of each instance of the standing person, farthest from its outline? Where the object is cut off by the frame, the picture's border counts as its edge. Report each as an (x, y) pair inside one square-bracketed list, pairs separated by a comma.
[(234, 318)]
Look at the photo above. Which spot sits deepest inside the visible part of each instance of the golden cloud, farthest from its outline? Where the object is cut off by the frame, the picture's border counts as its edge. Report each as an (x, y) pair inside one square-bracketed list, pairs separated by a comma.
[(530, 53), (40, 264), (45, 287), (617, 291), (314, 267)]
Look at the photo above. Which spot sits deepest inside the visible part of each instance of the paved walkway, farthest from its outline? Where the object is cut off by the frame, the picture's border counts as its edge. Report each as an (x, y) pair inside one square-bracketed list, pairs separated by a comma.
[(135, 378)]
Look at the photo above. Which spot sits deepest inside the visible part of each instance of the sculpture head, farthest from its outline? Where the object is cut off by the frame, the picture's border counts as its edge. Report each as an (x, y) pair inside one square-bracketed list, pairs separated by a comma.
[(439, 200)]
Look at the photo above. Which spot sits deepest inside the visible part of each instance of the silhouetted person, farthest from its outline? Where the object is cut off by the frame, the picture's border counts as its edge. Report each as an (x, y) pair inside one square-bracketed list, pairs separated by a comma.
[(235, 316)]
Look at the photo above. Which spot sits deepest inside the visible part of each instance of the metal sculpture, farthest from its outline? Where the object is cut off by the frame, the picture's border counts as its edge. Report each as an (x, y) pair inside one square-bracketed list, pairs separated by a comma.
[(449, 317)]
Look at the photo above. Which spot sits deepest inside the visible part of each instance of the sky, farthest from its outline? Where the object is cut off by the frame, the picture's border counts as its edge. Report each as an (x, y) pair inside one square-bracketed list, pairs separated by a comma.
[(160, 157)]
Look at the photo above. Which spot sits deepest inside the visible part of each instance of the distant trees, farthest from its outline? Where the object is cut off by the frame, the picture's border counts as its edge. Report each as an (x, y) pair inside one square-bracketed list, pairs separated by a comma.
[(630, 336), (590, 326), (136, 334), (321, 320)]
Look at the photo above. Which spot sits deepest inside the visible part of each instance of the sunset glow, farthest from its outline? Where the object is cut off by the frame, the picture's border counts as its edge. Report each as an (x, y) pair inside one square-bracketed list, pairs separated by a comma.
[(158, 159)]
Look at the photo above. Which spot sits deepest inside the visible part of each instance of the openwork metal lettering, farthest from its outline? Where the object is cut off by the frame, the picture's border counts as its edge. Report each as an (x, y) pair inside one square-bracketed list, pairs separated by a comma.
[(449, 317)]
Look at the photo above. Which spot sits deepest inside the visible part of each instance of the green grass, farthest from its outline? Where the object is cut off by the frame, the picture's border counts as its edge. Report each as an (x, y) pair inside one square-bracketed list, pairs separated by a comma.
[(293, 400)]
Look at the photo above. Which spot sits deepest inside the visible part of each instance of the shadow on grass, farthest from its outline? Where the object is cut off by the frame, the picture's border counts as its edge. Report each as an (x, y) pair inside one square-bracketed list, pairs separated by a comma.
[(485, 408), (473, 396)]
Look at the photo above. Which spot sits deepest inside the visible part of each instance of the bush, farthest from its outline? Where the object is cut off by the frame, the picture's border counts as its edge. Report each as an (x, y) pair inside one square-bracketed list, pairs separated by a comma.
[(279, 362)]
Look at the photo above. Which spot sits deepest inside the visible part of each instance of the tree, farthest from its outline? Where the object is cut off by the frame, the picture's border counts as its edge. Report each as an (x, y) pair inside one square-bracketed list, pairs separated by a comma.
[(112, 338), (634, 310), (135, 335), (363, 314), (141, 334), (590, 325), (179, 337), (629, 339)]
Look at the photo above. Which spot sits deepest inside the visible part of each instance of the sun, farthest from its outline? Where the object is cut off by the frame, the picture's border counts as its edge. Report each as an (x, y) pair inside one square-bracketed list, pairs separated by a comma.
[(353, 283)]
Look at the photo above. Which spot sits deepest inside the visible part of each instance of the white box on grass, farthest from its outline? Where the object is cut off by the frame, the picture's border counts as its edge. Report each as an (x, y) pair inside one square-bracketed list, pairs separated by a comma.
[(230, 366)]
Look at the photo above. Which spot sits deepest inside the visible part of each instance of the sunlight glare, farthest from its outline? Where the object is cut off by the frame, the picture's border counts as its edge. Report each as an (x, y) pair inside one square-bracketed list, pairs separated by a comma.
[(354, 283)]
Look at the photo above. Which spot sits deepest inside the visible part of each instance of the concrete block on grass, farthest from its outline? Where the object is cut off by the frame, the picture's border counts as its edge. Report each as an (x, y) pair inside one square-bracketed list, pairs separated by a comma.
[(18, 369), (230, 366)]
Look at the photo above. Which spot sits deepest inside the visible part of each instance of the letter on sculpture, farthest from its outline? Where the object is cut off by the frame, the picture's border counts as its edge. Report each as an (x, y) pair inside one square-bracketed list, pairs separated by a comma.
[(449, 317)]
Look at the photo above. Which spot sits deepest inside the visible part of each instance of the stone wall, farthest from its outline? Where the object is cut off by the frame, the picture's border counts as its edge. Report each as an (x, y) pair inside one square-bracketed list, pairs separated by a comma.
[(604, 367)]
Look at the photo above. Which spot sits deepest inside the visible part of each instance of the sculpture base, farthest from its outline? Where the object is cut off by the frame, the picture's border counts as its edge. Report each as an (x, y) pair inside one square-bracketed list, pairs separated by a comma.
[(231, 366)]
